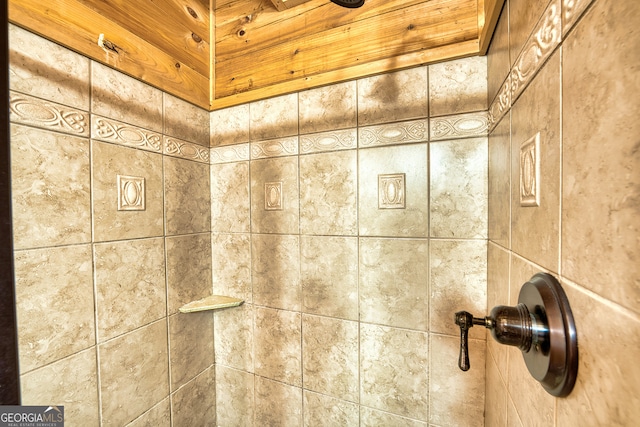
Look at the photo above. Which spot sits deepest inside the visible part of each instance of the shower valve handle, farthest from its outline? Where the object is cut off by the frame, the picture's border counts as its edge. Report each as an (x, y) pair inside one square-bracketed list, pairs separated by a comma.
[(465, 320)]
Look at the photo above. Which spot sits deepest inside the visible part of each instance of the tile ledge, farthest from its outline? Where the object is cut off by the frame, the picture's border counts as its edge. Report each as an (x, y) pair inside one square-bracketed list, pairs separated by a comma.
[(212, 302)]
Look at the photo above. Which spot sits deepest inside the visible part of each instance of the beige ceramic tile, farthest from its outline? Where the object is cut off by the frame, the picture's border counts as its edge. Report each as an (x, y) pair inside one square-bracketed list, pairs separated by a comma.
[(498, 289), (44, 69), (32, 111), (275, 196), (328, 193), (231, 265), (535, 231), (135, 364), (459, 188), (571, 12), (325, 410), (229, 125), (458, 281), (410, 221), (385, 384), (109, 223), (230, 201), (158, 416), (513, 419), (50, 185), (393, 97), (394, 282), (130, 285), (54, 304), (499, 184), (234, 397), (523, 17), (330, 357), (458, 86), (498, 62), (233, 334), (195, 403), (288, 410), (190, 346), (495, 410), (120, 97), (456, 397), (329, 276), (275, 271), (600, 178), (187, 196), (188, 269), (277, 344), (70, 382), (608, 382), (328, 108), (372, 418), (274, 117), (185, 121)]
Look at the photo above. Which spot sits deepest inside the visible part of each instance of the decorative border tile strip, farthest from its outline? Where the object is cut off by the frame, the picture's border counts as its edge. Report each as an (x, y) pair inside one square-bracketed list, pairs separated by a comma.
[(109, 130), (186, 150), (459, 126), (275, 148), (571, 12), (37, 112), (541, 44), (328, 141), (393, 133), (229, 153), (500, 104)]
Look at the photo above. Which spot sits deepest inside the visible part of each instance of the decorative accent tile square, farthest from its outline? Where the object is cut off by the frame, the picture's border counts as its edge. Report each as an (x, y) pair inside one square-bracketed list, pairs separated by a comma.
[(530, 172), (131, 193), (391, 191), (273, 196)]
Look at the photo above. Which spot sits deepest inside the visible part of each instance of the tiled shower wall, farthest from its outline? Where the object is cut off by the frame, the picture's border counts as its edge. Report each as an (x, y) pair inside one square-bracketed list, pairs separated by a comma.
[(567, 70), (353, 221), (110, 183)]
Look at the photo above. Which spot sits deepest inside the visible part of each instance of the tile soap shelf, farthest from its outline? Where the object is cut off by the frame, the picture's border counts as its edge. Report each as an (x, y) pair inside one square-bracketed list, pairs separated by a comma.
[(212, 302)]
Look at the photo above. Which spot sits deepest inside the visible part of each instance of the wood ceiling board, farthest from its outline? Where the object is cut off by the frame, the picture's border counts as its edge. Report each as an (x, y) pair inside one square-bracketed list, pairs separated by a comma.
[(376, 38), (72, 24)]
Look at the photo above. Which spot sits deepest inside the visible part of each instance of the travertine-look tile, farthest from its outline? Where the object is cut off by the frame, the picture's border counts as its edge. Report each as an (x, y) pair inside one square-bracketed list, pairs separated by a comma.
[(499, 184), (371, 418), (458, 86), (456, 397), (571, 12), (523, 16), (285, 217), (188, 269), (608, 382), (277, 344), (393, 282), (229, 125), (535, 230), (325, 410), (274, 117), (393, 97), (130, 285), (194, 404), (275, 271), (50, 186), (187, 196), (230, 202), (498, 62), (459, 188), (54, 304), (328, 108), (32, 111), (458, 281), (394, 370), (134, 364), (231, 265), (330, 356), (109, 223), (190, 346), (495, 411), (158, 416), (234, 397), (329, 276), (120, 97), (600, 179), (185, 121), (233, 334), (70, 382), (328, 193), (412, 221), (287, 411), (47, 70), (498, 289)]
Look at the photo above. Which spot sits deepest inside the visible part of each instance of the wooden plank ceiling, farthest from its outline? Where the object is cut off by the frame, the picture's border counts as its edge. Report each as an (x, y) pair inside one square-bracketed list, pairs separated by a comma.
[(226, 52)]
